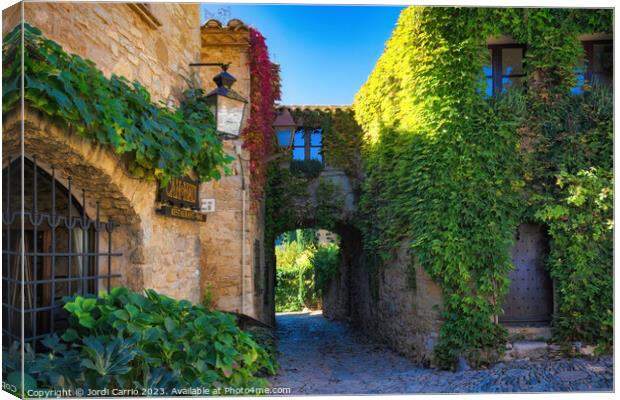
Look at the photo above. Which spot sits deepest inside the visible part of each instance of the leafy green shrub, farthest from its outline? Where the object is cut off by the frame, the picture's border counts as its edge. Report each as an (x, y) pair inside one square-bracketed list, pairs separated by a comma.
[(265, 337), (309, 169), (326, 264), (159, 142), (295, 276), (151, 342)]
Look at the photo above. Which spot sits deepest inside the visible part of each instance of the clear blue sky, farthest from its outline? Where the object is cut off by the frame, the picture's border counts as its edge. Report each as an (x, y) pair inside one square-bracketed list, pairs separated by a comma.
[(325, 52)]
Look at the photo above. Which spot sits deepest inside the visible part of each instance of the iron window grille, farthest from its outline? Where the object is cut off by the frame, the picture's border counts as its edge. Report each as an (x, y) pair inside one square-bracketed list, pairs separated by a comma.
[(58, 246)]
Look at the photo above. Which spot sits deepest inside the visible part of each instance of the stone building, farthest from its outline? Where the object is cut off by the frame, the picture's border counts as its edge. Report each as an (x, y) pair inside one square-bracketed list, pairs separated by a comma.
[(155, 45), (224, 255), (405, 309)]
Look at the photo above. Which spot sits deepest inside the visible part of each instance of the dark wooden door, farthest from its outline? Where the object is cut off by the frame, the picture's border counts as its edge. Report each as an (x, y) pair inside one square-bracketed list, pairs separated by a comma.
[(530, 295)]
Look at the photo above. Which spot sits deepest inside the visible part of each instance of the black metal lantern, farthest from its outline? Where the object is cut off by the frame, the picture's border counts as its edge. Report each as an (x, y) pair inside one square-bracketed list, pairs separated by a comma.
[(285, 128), (227, 106)]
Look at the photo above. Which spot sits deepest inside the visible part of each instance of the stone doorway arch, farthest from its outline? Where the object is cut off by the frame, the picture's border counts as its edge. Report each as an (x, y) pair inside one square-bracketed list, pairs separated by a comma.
[(339, 297), (95, 170)]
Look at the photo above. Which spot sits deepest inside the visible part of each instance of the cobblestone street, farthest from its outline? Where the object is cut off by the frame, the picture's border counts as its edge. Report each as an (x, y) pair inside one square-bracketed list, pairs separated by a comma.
[(318, 356)]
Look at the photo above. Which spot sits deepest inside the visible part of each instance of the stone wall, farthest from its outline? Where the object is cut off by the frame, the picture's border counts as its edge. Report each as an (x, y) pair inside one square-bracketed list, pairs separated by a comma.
[(231, 268), (11, 16), (405, 314), (157, 252), (153, 43), (335, 301)]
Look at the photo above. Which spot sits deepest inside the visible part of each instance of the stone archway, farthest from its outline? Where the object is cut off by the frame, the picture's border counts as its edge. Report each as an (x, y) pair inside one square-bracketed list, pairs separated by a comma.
[(338, 298), (95, 170), (328, 202)]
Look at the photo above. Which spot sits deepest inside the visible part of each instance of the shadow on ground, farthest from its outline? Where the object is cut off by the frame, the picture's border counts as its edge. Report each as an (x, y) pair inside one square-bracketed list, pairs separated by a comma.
[(319, 356)]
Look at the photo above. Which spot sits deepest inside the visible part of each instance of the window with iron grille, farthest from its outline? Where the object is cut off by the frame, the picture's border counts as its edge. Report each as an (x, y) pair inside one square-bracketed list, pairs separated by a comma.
[(49, 251)]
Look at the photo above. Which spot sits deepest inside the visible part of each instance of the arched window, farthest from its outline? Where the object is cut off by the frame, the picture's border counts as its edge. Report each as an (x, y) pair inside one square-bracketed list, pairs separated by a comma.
[(57, 245)]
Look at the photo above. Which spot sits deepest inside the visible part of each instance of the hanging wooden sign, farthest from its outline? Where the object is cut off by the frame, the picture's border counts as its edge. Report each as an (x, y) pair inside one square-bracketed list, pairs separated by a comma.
[(181, 192), (180, 199), (182, 213)]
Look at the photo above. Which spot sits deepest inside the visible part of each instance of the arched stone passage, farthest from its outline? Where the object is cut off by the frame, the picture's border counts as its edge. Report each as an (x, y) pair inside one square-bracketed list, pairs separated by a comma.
[(325, 202), (95, 171), (398, 303), (338, 298)]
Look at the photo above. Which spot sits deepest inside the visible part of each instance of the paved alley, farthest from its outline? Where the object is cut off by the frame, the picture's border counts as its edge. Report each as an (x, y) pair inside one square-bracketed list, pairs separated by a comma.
[(318, 356)]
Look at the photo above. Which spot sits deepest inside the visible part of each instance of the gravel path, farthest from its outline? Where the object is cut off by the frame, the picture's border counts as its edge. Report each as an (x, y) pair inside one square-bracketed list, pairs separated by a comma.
[(318, 356)]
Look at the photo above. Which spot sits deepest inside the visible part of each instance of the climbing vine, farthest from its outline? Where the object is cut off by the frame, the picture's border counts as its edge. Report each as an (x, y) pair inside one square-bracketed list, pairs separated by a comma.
[(571, 190), (446, 170), (341, 135), (288, 181), (258, 134), (567, 155), (289, 207), (157, 142)]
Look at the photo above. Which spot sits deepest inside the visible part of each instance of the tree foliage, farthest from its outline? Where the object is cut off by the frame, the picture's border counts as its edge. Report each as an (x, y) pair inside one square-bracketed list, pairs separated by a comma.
[(304, 270)]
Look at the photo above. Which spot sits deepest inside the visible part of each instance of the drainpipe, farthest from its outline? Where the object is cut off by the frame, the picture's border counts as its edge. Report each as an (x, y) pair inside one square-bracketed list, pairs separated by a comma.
[(243, 228)]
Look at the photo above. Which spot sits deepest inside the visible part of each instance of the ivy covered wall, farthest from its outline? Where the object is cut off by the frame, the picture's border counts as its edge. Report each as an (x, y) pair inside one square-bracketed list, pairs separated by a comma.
[(309, 194), (156, 141), (453, 173), (341, 135), (297, 196)]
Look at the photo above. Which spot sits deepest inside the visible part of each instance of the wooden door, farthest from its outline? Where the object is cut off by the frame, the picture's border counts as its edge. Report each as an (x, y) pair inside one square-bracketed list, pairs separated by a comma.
[(530, 295)]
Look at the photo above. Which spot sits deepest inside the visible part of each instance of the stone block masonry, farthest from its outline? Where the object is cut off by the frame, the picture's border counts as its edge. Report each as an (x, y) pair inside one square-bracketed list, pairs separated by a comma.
[(405, 313), (120, 41), (231, 269), (153, 43)]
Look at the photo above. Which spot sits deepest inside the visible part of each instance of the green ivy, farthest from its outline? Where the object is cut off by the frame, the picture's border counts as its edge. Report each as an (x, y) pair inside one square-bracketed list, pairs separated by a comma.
[(281, 194), (570, 186), (287, 205), (329, 204), (341, 135), (306, 168), (326, 263), (445, 168), (158, 142), (581, 259)]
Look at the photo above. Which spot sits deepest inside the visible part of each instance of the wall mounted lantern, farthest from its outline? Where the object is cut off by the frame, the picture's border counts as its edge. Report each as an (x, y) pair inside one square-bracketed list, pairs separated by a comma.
[(285, 128), (227, 106)]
